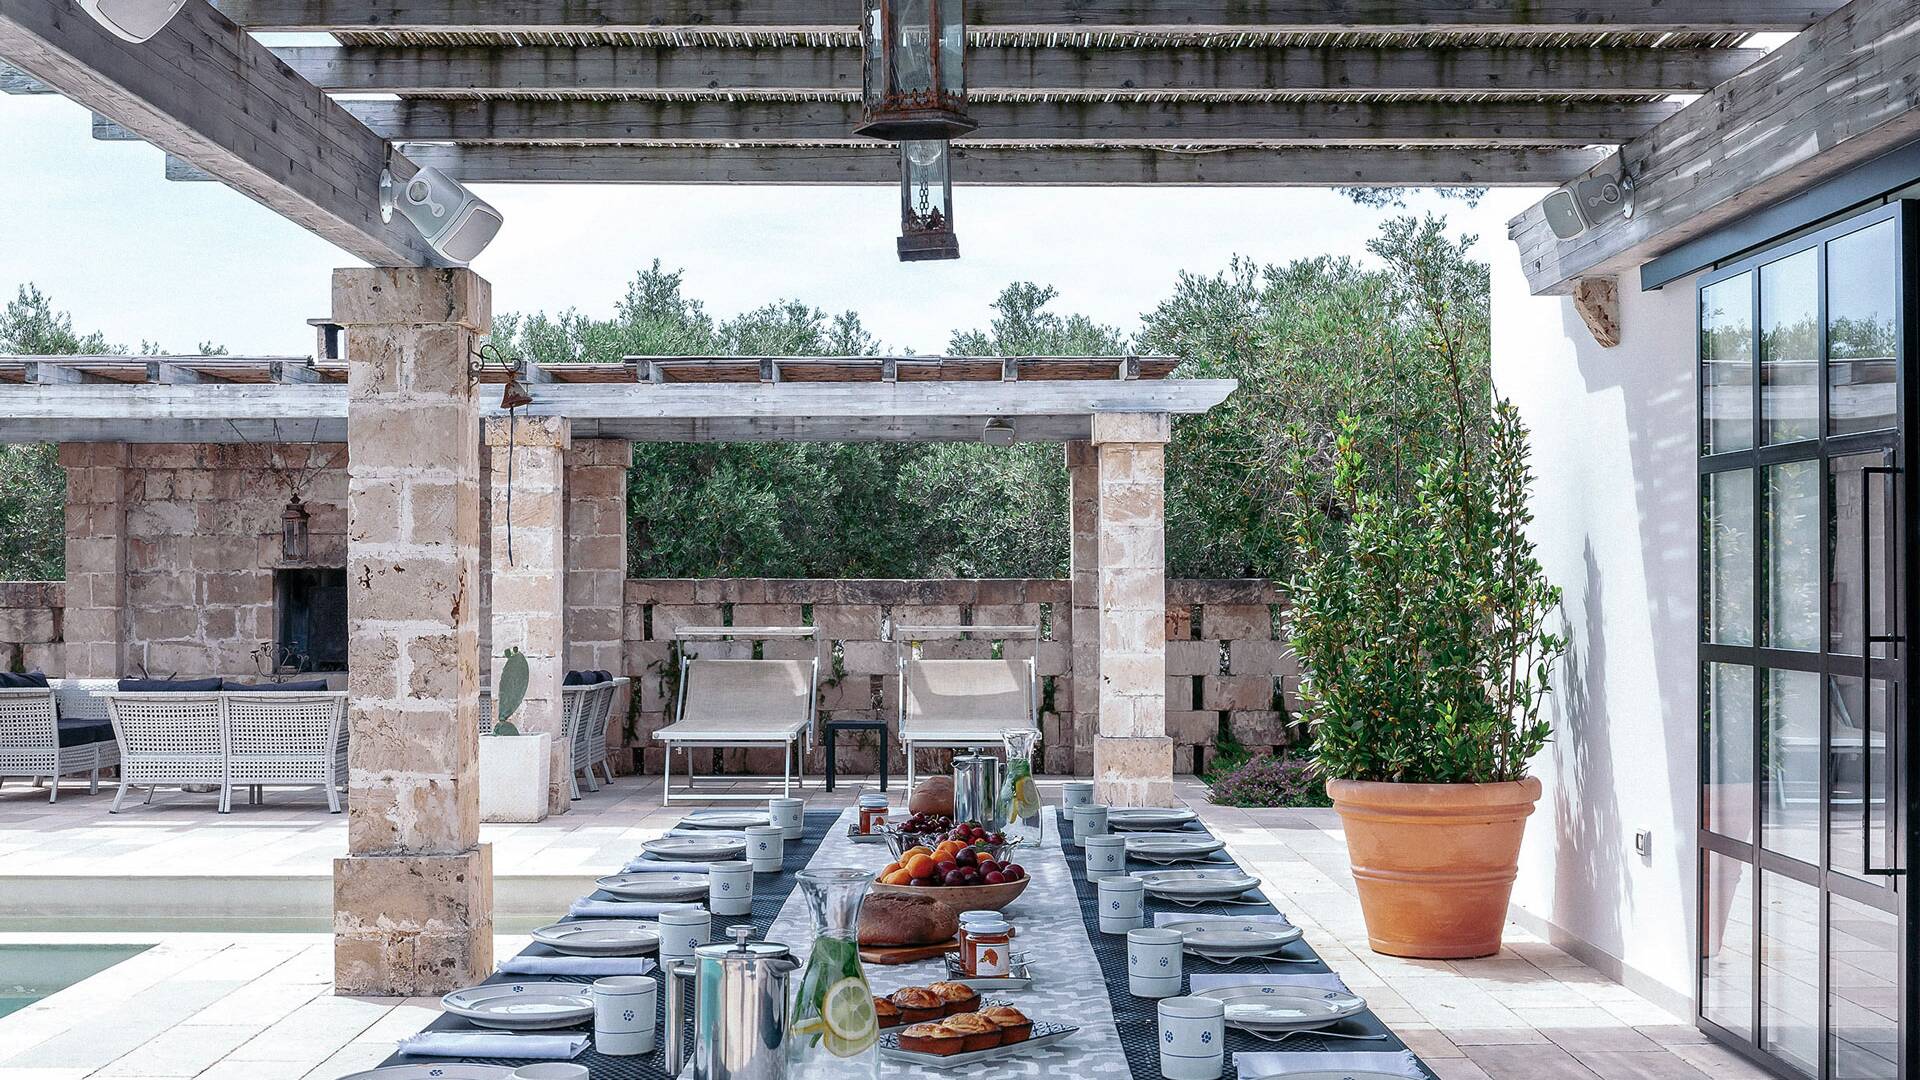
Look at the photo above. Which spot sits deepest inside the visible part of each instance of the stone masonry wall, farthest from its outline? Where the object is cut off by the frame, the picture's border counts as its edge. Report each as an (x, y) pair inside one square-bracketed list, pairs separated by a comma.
[(30, 625), (1225, 670)]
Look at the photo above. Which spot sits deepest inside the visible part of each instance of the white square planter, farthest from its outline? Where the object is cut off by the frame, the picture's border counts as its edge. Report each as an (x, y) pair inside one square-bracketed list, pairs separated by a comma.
[(514, 773)]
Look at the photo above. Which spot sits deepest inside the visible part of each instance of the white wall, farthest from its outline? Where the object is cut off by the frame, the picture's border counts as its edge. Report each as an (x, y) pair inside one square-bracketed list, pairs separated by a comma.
[(1613, 435)]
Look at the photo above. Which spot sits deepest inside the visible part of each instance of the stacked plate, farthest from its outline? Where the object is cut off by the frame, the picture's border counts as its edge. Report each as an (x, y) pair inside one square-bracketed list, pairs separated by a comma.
[(1171, 847), (661, 888), (1225, 940), (1141, 818), (522, 1006), (696, 848), (439, 1070), (1269, 1011), (600, 937), (1198, 886), (724, 819)]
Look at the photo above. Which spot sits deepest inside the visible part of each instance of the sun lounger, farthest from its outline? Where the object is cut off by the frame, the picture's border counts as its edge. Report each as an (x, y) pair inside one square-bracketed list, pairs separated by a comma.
[(963, 704), (741, 703)]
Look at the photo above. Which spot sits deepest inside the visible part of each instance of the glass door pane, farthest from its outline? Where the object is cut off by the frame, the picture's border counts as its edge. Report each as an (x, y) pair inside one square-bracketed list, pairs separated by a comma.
[(1727, 805), (1726, 943), (1863, 991), (1790, 971), (1729, 526), (1792, 568), (1857, 774), (1726, 365), (1856, 504), (1790, 795), (1861, 331), (1790, 347)]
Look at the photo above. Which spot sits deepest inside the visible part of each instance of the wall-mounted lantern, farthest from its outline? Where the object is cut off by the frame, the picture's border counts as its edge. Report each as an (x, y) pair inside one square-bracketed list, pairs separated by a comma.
[(915, 70), (926, 202), (293, 531)]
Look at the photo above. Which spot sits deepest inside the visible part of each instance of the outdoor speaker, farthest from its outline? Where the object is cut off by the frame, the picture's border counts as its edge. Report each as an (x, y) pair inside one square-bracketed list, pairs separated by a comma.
[(452, 220), (1587, 202), (132, 20)]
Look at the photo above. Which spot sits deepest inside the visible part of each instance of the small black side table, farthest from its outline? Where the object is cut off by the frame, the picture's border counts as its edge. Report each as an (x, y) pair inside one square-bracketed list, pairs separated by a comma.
[(835, 727)]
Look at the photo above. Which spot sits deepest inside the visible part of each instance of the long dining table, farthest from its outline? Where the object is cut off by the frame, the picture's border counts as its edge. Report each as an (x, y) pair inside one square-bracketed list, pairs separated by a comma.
[(1058, 930)]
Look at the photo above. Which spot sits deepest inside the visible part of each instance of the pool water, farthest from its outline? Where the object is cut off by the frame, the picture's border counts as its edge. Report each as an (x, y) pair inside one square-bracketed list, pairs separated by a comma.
[(31, 972)]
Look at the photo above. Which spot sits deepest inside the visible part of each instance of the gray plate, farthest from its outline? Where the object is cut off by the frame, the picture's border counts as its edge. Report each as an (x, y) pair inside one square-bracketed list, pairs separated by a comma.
[(1168, 849), (1223, 884), (1284, 1008), (665, 888), (724, 819), (695, 848), (600, 937), (527, 1006), (1044, 1035), (1131, 819), (441, 1070), (1318, 1074), (1233, 937)]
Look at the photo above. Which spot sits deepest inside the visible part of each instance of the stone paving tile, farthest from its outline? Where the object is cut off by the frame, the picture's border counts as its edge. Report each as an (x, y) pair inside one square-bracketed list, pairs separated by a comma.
[(1578, 1039), (1528, 1063), (1619, 1065)]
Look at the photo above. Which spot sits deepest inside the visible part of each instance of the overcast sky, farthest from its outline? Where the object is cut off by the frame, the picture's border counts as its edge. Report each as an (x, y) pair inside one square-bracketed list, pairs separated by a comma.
[(96, 226)]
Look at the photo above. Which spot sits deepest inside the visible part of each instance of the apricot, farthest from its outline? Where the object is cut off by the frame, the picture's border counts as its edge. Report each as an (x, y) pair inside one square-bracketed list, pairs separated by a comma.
[(897, 877), (888, 869), (919, 866)]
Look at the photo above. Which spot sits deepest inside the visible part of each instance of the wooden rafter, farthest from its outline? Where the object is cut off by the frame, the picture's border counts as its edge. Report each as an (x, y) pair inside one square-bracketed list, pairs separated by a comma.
[(617, 69), (1319, 123), (1308, 16), (205, 91), (1831, 98)]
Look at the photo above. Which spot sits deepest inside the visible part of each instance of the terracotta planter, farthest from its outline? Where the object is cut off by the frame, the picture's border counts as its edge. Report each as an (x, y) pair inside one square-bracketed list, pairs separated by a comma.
[(1434, 862)]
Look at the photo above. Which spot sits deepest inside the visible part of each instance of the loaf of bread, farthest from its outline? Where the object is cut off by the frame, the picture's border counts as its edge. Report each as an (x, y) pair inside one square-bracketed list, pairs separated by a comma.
[(904, 919), (934, 795)]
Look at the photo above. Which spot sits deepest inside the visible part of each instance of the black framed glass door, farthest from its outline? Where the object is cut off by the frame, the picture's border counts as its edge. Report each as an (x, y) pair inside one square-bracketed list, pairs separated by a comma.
[(1805, 558)]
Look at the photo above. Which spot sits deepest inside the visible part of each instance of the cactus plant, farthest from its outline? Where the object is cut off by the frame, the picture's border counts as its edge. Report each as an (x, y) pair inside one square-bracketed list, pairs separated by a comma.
[(511, 691)]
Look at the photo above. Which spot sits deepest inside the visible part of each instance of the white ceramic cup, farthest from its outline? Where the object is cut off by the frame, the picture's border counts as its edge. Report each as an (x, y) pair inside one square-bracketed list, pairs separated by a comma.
[(681, 932), (549, 1070), (1089, 820), (730, 888), (1106, 856), (1193, 1038), (1076, 793), (623, 1014), (787, 815), (766, 848), (1123, 904), (1153, 962)]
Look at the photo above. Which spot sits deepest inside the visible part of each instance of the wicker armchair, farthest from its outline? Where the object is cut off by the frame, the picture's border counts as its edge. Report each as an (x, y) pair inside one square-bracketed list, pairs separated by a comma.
[(168, 738), (595, 750), (287, 739), (37, 741)]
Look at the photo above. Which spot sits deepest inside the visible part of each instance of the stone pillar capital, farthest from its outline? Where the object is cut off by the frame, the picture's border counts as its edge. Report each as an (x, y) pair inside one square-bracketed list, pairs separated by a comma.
[(528, 432), (411, 296), (1118, 427)]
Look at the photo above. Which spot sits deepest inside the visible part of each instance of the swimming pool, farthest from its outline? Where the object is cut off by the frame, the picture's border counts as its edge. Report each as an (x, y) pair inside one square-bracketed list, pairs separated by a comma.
[(31, 972)]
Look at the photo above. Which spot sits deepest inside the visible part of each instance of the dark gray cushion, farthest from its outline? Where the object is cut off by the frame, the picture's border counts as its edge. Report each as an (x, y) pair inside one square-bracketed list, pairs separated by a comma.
[(82, 732), (184, 686), (574, 678), (22, 680), (306, 686)]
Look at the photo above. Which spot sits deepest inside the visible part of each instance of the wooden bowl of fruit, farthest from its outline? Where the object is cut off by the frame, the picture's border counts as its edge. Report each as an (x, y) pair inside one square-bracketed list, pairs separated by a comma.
[(924, 834), (964, 876)]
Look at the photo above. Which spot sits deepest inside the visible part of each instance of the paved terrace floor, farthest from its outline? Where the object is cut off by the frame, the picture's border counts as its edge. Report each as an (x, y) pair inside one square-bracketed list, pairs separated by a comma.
[(220, 1005)]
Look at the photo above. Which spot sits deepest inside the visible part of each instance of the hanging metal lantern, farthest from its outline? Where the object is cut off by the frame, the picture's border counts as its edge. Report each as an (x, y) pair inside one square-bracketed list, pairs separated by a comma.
[(926, 202), (293, 531), (915, 70)]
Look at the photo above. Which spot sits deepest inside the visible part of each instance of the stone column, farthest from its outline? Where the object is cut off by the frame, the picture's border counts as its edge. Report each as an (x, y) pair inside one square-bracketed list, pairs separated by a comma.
[(1132, 755), (597, 571), (94, 622), (1083, 479), (529, 588), (413, 899)]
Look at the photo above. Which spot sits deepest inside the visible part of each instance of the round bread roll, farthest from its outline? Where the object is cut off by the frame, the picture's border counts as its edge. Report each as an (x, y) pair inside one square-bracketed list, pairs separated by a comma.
[(904, 919), (934, 795)]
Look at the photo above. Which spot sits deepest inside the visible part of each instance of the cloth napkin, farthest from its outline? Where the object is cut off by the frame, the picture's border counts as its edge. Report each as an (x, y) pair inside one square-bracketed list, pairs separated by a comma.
[(585, 908), (576, 965), (488, 1044), (648, 865), (1162, 918), (1328, 981), (1257, 1066)]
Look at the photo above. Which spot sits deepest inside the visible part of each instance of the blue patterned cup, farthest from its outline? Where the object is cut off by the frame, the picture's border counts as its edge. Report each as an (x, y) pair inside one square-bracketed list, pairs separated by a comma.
[(788, 815), (1193, 1038), (730, 888), (1123, 904), (1076, 793), (623, 1014), (766, 848), (1088, 821), (1106, 856), (1154, 963), (683, 931)]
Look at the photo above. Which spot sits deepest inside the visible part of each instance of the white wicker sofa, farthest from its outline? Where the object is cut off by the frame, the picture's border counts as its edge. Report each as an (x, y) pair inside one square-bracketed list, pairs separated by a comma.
[(247, 738), (53, 732)]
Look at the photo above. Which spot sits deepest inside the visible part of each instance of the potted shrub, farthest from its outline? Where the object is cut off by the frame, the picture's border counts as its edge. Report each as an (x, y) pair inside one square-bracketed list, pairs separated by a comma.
[(1420, 618), (515, 769)]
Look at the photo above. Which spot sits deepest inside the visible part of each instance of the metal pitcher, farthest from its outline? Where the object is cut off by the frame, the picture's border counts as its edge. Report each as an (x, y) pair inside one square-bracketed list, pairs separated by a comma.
[(740, 1009), (976, 791)]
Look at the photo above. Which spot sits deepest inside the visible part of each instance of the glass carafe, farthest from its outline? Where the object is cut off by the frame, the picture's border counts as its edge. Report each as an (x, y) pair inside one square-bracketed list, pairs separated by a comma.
[(1019, 796), (835, 1033)]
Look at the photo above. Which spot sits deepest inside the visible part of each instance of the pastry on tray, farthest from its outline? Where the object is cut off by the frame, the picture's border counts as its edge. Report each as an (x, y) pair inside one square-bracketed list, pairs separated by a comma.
[(887, 1012), (1014, 1025), (917, 1004), (932, 1039), (959, 997), (977, 1032)]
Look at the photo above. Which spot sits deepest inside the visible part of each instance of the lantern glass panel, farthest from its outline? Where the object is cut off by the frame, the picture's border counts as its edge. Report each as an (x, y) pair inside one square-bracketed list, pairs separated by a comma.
[(926, 202), (914, 70), (953, 48), (912, 48)]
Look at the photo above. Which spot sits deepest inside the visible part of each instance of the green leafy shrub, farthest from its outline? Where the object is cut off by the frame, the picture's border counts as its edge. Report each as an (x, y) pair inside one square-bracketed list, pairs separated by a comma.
[(1420, 618), (1268, 780)]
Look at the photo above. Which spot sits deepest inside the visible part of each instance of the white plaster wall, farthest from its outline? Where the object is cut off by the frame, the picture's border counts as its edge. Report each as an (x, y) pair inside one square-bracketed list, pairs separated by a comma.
[(1613, 435)]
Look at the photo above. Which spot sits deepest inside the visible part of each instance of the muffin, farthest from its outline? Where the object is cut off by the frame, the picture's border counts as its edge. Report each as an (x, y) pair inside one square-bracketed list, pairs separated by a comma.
[(977, 1032), (918, 1005), (932, 1039), (887, 1012), (1014, 1025), (959, 997)]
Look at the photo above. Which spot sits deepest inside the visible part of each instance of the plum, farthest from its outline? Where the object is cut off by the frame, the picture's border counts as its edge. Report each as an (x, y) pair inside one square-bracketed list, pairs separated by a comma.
[(956, 877), (994, 877)]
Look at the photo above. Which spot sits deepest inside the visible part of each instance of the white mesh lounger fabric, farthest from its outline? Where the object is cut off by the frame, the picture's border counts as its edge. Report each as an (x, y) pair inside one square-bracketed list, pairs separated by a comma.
[(962, 703), (742, 703)]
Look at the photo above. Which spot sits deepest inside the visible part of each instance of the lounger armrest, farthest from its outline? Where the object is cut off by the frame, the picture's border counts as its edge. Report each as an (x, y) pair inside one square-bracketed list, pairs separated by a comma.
[(746, 633)]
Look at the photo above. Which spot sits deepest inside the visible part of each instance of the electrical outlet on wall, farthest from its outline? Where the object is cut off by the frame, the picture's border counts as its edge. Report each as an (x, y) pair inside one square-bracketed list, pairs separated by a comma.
[(1643, 843)]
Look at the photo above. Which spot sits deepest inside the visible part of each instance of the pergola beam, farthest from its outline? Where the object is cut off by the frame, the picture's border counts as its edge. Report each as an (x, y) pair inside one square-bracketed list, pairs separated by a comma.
[(1318, 123), (1068, 167), (204, 90), (629, 69), (1831, 98), (1272, 16)]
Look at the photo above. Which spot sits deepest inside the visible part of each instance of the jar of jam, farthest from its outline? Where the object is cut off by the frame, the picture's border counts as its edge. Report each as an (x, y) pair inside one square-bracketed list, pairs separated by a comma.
[(873, 814), (986, 953), (968, 918)]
